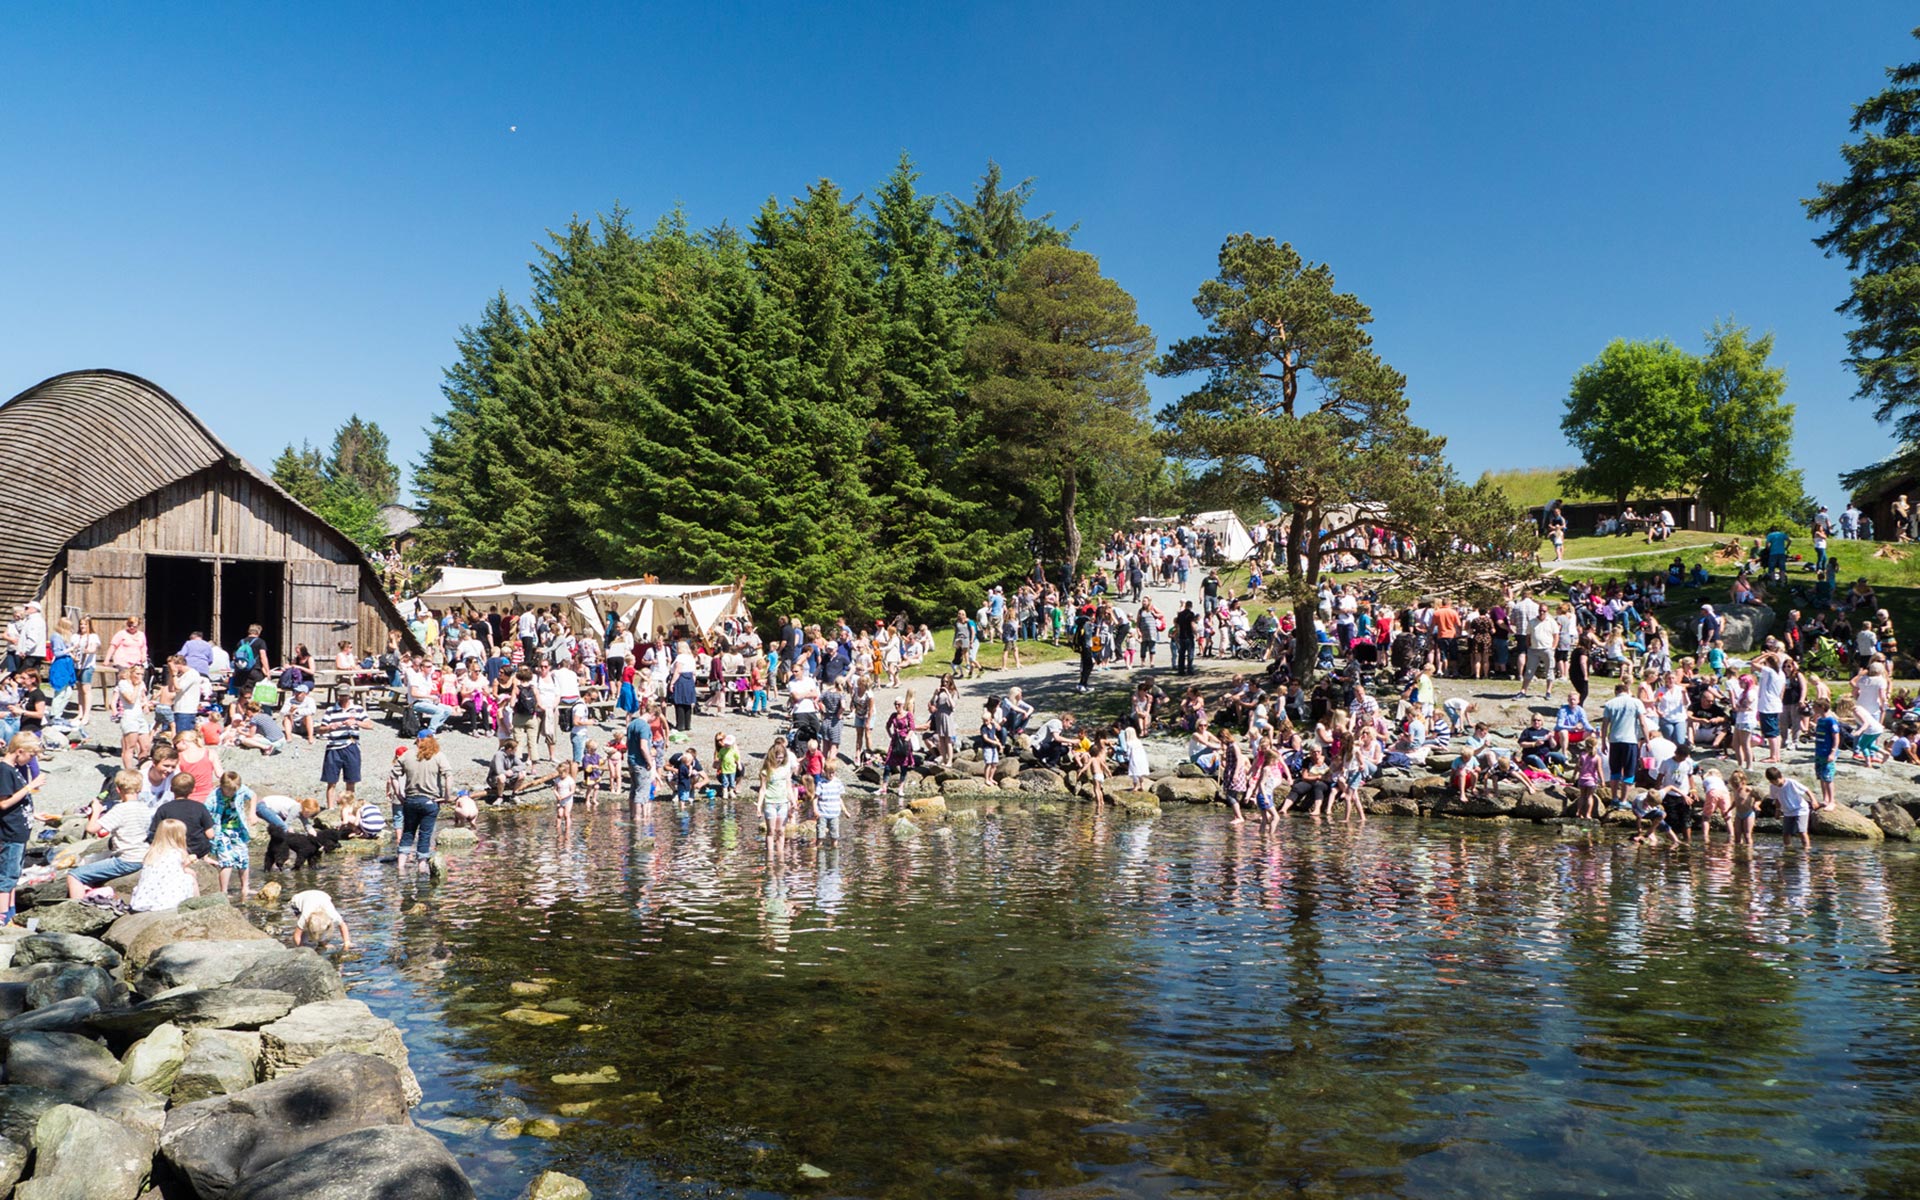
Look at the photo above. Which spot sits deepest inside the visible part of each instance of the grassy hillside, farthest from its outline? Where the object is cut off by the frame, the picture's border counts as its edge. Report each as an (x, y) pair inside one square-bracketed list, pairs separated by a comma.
[(1530, 486)]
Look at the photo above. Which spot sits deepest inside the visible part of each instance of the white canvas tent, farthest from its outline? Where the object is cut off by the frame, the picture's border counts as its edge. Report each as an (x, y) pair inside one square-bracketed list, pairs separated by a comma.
[(1230, 534), (643, 605)]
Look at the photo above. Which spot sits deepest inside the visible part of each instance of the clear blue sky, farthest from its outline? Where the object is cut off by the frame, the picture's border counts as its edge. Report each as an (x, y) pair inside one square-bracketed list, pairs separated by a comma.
[(284, 213)]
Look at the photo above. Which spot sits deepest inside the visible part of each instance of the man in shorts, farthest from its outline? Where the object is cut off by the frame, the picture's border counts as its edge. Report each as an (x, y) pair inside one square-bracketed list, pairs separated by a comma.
[(344, 720), (1623, 723)]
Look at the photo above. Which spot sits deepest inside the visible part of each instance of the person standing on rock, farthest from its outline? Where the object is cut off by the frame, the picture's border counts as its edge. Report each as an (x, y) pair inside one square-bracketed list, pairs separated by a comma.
[(340, 766), (1623, 721)]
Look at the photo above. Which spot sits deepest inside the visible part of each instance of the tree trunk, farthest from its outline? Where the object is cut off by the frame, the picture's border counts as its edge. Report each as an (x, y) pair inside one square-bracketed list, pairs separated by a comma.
[(1069, 522)]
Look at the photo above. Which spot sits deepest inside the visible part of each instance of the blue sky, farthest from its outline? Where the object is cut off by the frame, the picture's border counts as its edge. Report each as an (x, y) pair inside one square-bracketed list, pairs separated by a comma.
[(284, 216)]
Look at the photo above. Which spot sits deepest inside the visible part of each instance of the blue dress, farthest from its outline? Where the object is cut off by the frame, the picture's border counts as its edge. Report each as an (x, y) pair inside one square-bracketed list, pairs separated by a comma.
[(61, 673)]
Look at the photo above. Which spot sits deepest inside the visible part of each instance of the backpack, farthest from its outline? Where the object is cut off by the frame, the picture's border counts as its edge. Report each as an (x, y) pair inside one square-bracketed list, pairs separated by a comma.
[(526, 703), (243, 655)]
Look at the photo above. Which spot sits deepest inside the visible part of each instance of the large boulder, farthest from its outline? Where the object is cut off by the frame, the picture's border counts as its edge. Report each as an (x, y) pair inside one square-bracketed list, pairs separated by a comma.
[(153, 1062), (66, 1016), (1843, 822), (13, 1163), (66, 1064), (219, 1062), (1383, 804), (21, 1108), (195, 1008), (392, 1160), (1743, 627), (332, 1027), (124, 1104), (219, 1143), (139, 935), (1042, 779), (204, 964), (300, 972), (1894, 820), (81, 1155), (74, 916), (75, 979), (1188, 791), (63, 948), (1538, 806)]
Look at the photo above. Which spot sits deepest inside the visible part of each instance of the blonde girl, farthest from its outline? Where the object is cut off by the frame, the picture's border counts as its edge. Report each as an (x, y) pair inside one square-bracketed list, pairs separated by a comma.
[(1746, 804), (563, 789), (136, 718), (165, 879), (1718, 803), (1348, 776), (775, 794)]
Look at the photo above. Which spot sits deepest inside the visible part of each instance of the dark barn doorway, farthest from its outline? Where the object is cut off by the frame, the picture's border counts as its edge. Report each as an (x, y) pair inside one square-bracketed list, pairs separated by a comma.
[(179, 602), (254, 593)]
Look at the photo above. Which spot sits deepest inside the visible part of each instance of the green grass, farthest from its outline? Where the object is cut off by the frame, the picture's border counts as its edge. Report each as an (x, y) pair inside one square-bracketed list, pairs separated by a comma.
[(1896, 584), (1635, 544), (1532, 486), (934, 665)]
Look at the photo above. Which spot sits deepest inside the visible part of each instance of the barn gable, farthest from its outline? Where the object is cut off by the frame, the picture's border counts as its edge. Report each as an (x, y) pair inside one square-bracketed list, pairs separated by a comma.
[(159, 517)]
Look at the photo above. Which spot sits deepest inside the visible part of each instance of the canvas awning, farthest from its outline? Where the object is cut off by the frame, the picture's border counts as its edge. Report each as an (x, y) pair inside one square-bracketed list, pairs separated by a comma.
[(1234, 541), (645, 606)]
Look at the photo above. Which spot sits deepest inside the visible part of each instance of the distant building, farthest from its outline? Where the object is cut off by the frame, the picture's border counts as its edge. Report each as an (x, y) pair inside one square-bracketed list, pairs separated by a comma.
[(135, 509), (400, 522), (1874, 489), (1583, 517)]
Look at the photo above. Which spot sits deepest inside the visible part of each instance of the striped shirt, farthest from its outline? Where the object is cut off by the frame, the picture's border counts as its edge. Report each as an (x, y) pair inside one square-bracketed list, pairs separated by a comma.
[(347, 731)]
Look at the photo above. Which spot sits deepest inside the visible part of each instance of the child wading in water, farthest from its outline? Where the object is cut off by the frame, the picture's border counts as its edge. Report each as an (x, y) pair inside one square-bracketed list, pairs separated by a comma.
[(1586, 776), (1746, 805), (563, 787), (726, 762), (1234, 770)]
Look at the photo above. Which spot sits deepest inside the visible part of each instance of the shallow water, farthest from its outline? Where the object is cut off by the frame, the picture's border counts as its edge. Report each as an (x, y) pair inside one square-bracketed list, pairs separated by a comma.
[(1065, 1004)]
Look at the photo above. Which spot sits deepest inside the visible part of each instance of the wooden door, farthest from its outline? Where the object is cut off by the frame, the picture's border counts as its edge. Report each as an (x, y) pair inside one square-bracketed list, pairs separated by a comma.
[(323, 602), (107, 585)]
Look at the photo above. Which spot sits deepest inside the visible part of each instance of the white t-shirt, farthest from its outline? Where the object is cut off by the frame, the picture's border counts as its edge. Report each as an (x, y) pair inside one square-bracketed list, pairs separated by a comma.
[(1792, 796), (126, 825), (1772, 686), (567, 681), (1872, 692), (192, 687), (306, 903), (1675, 773)]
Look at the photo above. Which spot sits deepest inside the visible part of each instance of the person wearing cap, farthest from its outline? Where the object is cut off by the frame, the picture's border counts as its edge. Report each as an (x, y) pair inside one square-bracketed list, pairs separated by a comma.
[(1707, 627), (33, 638)]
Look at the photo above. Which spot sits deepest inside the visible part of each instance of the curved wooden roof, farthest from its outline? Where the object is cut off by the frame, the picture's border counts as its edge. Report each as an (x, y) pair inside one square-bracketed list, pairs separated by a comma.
[(137, 439)]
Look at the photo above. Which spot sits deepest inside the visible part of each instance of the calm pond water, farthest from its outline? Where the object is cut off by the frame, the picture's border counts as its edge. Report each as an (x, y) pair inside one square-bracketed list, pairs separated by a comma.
[(1064, 1004)]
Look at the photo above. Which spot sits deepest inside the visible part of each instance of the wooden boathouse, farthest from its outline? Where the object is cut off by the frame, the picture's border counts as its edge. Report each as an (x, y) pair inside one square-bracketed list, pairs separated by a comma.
[(122, 503)]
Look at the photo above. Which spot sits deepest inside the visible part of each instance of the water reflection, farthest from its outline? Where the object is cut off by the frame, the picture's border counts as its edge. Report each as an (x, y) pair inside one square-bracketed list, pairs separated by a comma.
[(1028, 1003)]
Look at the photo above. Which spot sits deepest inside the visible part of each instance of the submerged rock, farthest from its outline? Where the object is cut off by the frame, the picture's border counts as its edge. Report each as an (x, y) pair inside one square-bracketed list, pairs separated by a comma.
[(552, 1185), (534, 1016)]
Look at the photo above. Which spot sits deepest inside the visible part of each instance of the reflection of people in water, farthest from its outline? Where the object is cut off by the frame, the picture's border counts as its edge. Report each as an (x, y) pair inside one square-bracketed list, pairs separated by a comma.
[(776, 911)]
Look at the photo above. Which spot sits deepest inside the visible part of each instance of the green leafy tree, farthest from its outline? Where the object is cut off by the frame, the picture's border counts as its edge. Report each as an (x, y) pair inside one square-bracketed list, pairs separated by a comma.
[(944, 538), (1745, 453), (1636, 417), (1295, 410), (339, 499), (992, 233), (819, 347), (360, 453), (1060, 373), (1872, 219), (302, 473), (468, 475)]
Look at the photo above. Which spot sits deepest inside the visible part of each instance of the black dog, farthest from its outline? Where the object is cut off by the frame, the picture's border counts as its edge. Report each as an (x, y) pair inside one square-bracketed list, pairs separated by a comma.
[(304, 849)]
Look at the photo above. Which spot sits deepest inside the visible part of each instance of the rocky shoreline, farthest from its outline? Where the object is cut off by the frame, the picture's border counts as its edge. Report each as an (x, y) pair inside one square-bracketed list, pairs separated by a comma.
[(1858, 815), (188, 1054)]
